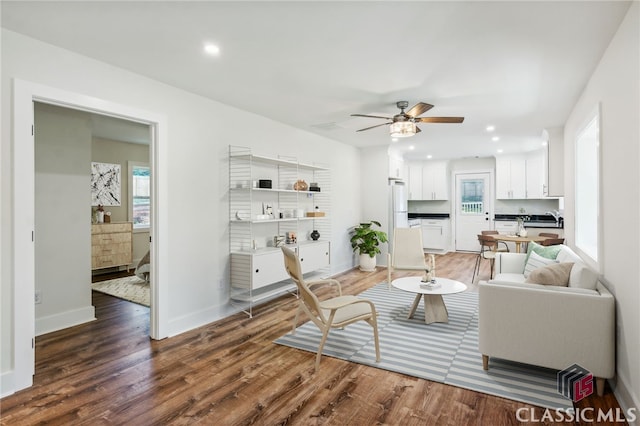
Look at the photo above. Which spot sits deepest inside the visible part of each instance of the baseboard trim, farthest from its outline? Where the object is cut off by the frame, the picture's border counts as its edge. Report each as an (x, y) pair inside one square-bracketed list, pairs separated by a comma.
[(626, 398), (64, 320)]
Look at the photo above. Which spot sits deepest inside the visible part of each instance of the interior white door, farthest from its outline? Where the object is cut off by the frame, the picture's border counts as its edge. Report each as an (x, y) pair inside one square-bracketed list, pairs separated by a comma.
[(473, 208)]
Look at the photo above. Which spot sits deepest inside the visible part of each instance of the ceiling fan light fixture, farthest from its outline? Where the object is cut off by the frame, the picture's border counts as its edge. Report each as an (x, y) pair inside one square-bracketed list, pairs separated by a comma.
[(402, 129)]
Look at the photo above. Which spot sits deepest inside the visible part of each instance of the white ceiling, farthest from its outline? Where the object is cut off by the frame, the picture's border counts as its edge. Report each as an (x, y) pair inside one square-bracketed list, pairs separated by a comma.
[(519, 66)]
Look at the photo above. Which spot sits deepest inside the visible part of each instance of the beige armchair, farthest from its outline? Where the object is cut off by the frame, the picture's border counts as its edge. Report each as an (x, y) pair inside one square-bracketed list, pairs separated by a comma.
[(407, 252), (336, 312)]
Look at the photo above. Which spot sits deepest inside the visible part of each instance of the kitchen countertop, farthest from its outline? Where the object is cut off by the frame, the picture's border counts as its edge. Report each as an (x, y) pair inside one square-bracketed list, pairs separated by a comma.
[(535, 221), (428, 215)]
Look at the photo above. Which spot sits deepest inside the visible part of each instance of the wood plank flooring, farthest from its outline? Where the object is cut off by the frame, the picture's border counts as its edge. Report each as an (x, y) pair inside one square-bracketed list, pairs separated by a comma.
[(230, 373)]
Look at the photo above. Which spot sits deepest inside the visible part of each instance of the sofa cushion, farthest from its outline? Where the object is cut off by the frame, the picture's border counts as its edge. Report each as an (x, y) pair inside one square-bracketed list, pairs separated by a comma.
[(567, 255), (583, 277), (508, 278), (536, 261), (549, 252), (555, 274)]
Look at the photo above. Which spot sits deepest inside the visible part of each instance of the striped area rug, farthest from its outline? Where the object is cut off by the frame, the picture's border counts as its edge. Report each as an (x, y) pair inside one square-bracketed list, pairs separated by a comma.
[(445, 353)]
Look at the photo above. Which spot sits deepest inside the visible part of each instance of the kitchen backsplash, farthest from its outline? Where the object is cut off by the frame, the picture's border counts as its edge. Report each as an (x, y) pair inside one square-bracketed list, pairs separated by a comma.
[(428, 206), (501, 206), (530, 206)]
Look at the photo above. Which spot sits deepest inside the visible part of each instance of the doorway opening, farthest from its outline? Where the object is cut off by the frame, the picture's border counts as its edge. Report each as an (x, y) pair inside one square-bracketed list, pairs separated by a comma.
[(25, 94)]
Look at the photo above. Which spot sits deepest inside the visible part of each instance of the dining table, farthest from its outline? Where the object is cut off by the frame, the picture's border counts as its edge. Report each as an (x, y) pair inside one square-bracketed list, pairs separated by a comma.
[(518, 240)]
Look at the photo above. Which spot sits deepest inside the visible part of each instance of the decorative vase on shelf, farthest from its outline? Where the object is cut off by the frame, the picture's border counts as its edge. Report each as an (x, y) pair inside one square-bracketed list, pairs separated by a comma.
[(315, 235)]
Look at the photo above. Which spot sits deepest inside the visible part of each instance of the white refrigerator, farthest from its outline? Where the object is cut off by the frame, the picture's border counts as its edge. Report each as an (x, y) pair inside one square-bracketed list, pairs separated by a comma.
[(399, 216)]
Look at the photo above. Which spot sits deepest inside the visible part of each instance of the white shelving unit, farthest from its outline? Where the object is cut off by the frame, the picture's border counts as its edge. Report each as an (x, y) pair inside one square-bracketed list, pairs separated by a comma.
[(258, 215)]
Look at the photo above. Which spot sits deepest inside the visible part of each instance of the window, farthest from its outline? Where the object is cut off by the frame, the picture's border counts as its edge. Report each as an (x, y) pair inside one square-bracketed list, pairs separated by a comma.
[(472, 196), (587, 182), (139, 195)]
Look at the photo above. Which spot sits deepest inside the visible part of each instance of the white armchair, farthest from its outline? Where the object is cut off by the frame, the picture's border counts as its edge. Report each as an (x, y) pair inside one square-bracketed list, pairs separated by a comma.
[(548, 326)]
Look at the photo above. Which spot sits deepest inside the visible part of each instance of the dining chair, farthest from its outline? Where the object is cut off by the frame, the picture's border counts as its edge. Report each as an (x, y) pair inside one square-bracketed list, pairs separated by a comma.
[(407, 253), (552, 241), (335, 312), (488, 250), (497, 247), (548, 235)]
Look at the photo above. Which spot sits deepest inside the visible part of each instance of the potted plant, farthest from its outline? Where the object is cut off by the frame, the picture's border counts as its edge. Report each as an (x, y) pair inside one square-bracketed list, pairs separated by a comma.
[(366, 241)]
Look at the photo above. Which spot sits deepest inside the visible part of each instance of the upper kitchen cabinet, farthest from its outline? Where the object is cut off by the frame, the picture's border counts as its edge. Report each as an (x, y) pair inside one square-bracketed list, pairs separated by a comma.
[(435, 182), (428, 181), (536, 174), (511, 177), (397, 168), (415, 182)]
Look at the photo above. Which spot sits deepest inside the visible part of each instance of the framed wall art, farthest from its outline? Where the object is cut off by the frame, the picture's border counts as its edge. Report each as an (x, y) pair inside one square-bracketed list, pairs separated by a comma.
[(105, 184)]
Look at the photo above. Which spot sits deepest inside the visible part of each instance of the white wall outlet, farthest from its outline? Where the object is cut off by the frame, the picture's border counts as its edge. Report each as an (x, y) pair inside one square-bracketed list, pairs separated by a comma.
[(38, 297)]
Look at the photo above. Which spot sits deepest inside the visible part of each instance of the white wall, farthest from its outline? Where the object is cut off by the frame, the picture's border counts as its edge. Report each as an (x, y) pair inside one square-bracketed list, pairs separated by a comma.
[(615, 85), (63, 230), (199, 132)]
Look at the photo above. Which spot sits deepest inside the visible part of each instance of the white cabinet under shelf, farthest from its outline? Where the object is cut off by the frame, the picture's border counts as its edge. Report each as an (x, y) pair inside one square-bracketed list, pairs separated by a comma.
[(282, 209)]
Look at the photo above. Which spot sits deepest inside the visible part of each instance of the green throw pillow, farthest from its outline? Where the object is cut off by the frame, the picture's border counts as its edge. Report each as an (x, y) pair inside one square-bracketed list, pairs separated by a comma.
[(549, 252)]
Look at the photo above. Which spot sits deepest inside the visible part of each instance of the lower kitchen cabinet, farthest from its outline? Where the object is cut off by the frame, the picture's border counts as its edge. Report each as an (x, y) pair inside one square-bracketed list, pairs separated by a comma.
[(435, 234)]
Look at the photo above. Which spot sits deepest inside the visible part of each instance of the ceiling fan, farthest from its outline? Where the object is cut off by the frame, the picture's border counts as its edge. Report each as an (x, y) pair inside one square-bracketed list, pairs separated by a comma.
[(403, 124)]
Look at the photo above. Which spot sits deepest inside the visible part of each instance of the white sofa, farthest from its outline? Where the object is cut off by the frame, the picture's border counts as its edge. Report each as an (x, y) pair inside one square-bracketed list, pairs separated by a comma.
[(546, 325)]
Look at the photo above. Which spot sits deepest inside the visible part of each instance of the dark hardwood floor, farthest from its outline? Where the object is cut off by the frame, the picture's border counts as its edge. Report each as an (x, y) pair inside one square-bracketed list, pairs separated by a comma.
[(230, 373)]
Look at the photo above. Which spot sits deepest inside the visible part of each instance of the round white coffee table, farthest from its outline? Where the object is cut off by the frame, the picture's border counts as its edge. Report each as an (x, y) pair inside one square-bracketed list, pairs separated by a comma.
[(434, 307)]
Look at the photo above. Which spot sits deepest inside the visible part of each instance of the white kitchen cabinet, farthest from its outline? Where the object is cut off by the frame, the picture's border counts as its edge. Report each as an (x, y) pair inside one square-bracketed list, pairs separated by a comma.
[(536, 174), (435, 181), (415, 182), (271, 198), (435, 234), (396, 168), (511, 177)]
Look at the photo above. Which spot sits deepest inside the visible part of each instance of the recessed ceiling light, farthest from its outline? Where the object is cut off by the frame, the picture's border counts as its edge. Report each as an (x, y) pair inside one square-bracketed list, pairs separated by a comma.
[(500, 151), (212, 49), (394, 139), (495, 138), (429, 156), (491, 128), (412, 147), (544, 143)]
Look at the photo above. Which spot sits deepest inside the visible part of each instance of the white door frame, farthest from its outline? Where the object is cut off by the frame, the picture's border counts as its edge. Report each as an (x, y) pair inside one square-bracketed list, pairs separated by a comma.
[(492, 184), (24, 95)]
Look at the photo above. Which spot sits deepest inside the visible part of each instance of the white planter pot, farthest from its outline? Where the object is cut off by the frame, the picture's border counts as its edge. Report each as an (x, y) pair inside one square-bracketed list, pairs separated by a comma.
[(367, 263)]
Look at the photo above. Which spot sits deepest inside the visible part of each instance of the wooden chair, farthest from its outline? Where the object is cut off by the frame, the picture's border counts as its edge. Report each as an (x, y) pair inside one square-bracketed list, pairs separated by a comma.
[(552, 241), (488, 249), (548, 235), (407, 252), (336, 312), (497, 247)]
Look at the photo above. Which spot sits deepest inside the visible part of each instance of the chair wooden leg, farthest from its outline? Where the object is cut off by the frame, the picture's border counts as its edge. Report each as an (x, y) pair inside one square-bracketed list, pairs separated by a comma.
[(600, 386), (295, 320), (485, 362), (325, 334), (476, 269), (374, 323)]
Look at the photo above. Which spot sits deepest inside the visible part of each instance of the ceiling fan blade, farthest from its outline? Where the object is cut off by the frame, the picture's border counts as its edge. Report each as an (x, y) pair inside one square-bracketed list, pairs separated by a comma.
[(418, 109), (372, 127), (370, 116), (440, 120)]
